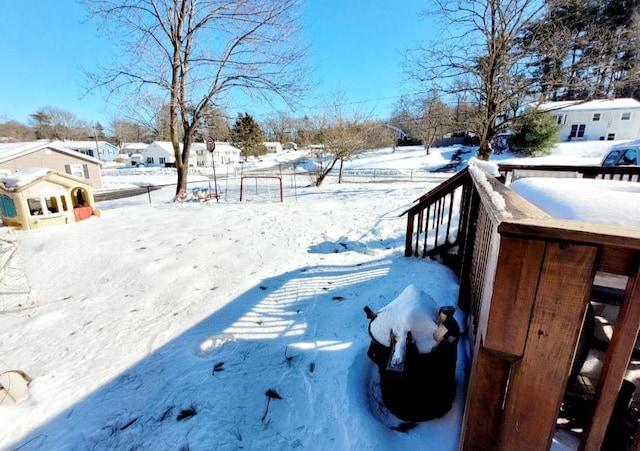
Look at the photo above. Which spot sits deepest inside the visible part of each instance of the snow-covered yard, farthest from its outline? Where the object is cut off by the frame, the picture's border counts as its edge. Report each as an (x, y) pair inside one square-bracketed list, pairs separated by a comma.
[(171, 326)]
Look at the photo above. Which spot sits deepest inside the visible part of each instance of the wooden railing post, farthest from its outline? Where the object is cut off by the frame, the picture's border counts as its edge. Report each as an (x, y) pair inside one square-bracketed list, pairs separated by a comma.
[(538, 381), (485, 393), (614, 367)]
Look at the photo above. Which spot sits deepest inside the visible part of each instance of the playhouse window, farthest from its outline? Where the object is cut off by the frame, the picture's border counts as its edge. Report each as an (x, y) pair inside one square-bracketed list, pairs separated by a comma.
[(35, 207), (55, 205), (626, 116)]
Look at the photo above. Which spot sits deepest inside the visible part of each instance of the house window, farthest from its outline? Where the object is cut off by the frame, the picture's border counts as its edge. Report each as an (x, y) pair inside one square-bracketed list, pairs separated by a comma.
[(626, 116), (596, 117), (560, 119), (149, 160), (7, 207), (611, 137), (80, 171), (577, 131), (162, 160)]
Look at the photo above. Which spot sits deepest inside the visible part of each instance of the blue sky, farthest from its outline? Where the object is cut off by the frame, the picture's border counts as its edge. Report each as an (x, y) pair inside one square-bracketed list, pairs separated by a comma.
[(356, 48)]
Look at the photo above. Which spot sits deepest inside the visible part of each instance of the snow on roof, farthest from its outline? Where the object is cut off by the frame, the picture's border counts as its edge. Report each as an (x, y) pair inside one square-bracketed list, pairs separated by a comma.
[(83, 144), (9, 151), (165, 145), (134, 146), (609, 202), (23, 177), (592, 105), (223, 145)]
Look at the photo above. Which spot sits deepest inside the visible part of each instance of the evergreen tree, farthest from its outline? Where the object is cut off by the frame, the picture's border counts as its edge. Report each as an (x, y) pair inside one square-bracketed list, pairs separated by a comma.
[(534, 134), (99, 132), (585, 49), (247, 136)]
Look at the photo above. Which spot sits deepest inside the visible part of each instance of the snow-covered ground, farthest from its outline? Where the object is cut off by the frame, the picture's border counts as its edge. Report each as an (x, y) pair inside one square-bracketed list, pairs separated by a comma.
[(164, 325)]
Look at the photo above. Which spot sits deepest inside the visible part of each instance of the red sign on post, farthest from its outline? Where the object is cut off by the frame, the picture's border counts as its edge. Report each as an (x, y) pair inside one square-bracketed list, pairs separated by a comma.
[(211, 144)]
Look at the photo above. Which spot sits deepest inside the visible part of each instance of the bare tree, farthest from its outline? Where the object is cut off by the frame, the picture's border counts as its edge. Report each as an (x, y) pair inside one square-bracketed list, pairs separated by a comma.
[(342, 135), (12, 130), (127, 131), (280, 128), (378, 135), (480, 57), (435, 120), (341, 139), (193, 52), (54, 123)]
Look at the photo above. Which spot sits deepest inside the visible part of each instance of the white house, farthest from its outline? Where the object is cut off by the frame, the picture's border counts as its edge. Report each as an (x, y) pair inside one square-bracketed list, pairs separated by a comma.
[(224, 153), (133, 148), (609, 119), (160, 153), (273, 147)]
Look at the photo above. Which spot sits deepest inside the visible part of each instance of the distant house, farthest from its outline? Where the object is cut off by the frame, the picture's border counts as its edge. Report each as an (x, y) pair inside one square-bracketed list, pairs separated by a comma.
[(38, 197), (44, 154), (132, 148), (161, 154), (609, 119), (273, 147), (102, 150), (224, 153)]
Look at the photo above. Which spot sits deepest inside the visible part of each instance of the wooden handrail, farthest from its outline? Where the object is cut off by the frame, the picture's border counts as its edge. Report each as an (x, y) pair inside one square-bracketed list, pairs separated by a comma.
[(434, 213), (627, 173)]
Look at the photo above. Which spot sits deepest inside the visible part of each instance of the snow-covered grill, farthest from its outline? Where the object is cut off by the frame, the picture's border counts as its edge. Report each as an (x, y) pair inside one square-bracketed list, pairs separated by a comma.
[(414, 345)]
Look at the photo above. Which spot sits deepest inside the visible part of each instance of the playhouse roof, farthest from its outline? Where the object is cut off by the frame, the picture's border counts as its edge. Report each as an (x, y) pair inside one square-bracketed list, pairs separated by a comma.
[(23, 177), (26, 176)]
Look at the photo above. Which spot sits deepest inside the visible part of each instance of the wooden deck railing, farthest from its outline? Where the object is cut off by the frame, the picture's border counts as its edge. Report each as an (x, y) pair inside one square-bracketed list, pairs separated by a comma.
[(624, 173), (432, 223), (526, 280)]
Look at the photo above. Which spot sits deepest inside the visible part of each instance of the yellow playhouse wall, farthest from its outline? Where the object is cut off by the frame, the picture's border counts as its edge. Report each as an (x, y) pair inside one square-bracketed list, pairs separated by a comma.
[(53, 185)]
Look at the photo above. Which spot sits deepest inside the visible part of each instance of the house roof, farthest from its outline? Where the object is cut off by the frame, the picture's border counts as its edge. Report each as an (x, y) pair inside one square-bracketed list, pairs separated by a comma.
[(84, 144), (225, 146), (592, 105), (14, 150), (134, 146), (164, 145)]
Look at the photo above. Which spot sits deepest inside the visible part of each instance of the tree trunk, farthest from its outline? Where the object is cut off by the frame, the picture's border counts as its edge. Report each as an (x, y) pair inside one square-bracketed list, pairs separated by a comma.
[(485, 150), (340, 174), (324, 173), (182, 178)]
